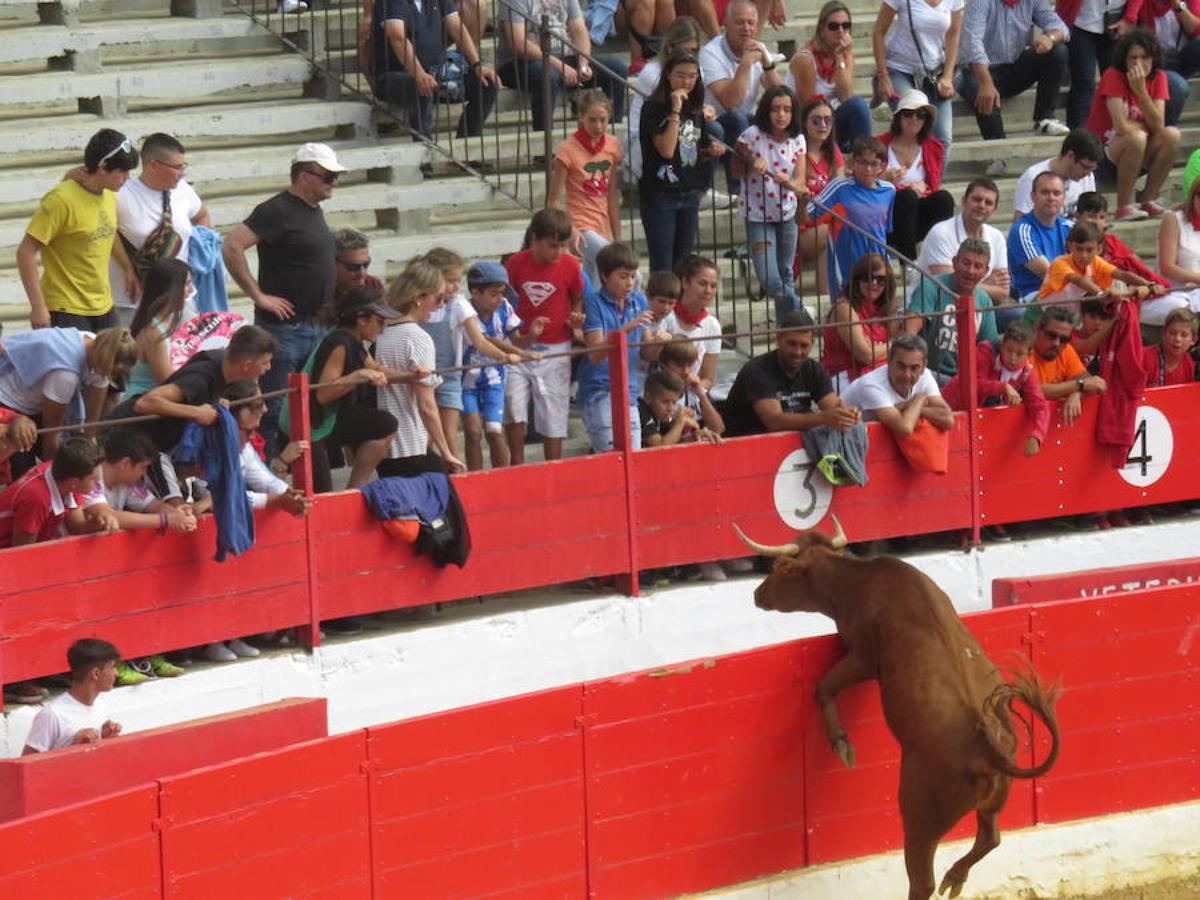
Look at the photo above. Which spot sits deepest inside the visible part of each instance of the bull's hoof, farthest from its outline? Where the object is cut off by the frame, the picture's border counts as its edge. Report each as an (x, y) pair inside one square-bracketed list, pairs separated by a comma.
[(954, 883), (845, 752)]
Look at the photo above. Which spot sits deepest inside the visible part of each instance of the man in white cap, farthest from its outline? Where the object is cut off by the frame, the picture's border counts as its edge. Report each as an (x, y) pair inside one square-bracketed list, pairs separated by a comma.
[(296, 269)]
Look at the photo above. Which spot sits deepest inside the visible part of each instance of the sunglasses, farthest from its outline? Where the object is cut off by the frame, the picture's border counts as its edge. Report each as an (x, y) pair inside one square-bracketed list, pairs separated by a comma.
[(178, 167), (919, 113), (821, 121), (126, 146), (838, 26), (327, 177), (354, 267), (1057, 338), (877, 279)]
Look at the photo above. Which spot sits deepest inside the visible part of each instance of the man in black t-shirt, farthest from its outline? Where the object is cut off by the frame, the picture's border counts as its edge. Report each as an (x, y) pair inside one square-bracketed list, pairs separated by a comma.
[(785, 389), (296, 269), (408, 48)]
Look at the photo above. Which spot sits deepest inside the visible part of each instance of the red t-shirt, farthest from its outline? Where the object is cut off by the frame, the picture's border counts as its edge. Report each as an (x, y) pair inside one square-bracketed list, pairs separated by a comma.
[(1113, 84), (33, 504), (6, 416), (1184, 372), (545, 290)]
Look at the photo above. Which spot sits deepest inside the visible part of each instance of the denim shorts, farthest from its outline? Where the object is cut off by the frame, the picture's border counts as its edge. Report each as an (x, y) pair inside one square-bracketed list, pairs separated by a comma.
[(449, 394), (486, 400)]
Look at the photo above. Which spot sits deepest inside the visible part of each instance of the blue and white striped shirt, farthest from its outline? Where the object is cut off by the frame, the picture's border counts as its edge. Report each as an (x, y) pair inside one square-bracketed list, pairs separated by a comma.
[(995, 33)]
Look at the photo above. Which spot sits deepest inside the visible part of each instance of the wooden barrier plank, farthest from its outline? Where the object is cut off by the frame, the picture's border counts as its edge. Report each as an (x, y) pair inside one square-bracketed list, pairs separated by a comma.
[(292, 821), (1095, 582), (42, 781), (483, 800), (1130, 711), (651, 836), (684, 519), (107, 846)]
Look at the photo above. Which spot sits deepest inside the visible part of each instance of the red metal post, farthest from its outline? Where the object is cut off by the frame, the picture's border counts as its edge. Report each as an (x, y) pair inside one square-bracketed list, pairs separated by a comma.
[(618, 377), (309, 634), (966, 370)]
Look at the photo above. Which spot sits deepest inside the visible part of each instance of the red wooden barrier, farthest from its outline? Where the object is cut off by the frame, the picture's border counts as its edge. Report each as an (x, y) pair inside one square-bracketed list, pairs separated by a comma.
[(295, 822), (487, 800), (1095, 582), (643, 785), (32, 784), (104, 847)]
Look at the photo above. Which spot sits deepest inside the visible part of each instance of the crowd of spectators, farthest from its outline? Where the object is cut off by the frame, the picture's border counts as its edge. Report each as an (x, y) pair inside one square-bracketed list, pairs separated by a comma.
[(449, 355)]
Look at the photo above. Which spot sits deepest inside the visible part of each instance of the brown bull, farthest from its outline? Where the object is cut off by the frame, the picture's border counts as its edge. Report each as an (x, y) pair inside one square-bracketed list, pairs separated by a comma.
[(942, 698)]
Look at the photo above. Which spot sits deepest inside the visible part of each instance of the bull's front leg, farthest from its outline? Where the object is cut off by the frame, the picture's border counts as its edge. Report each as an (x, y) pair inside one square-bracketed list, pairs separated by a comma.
[(847, 671)]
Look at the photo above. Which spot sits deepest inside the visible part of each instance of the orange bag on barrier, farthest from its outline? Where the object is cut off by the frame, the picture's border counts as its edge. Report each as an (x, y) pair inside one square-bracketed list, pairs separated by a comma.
[(927, 449)]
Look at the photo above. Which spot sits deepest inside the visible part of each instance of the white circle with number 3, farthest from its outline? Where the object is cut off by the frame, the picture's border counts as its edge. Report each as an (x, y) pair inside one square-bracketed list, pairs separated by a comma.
[(802, 493), (1153, 444)]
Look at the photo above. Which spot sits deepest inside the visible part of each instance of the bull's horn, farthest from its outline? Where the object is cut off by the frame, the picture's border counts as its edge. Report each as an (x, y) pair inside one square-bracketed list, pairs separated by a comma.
[(766, 549), (839, 539)]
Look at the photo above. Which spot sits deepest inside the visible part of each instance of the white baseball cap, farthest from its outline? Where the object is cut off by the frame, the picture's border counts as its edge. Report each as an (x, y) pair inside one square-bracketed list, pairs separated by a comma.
[(321, 154)]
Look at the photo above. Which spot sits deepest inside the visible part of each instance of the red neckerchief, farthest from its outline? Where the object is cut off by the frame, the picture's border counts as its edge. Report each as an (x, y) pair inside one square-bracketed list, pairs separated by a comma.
[(1193, 218), (683, 315), (1011, 3), (825, 71), (259, 445), (584, 138)]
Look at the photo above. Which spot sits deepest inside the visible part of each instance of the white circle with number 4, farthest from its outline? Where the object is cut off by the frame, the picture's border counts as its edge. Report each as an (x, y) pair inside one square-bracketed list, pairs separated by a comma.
[(802, 493), (1153, 444)]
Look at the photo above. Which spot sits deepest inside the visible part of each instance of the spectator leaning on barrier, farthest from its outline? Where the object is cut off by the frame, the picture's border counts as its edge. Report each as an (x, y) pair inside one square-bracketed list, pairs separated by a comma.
[(676, 169), (156, 212), (35, 507), (1176, 24), (736, 66), (942, 243), (935, 309), (999, 61), (18, 434), (549, 285), (903, 392), (73, 233), (587, 179), (1129, 115), (862, 199), (854, 346), (915, 160), (402, 347), (60, 376), (1082, 272), (520, 61), (824, 67), (1059, 368), (786, 389), (1034, 241), (678, 358), (78, 715), (1092, 207), (408, 54), (352, 254), (921, 54), (1078, 157), (296, 269)]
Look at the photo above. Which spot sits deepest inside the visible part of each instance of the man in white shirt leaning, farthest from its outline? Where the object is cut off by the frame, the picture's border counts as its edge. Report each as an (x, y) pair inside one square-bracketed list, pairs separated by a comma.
[(77, 716)]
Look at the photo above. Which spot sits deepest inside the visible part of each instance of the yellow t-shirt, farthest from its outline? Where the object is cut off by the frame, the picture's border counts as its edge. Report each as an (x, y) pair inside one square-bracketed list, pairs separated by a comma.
[(77, 229)]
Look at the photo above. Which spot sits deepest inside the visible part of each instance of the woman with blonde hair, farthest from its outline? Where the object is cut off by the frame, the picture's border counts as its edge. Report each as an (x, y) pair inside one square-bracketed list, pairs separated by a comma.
[(60, 376), (401, 347), (824, 67)]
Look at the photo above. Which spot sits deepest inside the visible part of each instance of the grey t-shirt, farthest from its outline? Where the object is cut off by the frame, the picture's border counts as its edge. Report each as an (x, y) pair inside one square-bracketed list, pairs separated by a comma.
[(529, 13)]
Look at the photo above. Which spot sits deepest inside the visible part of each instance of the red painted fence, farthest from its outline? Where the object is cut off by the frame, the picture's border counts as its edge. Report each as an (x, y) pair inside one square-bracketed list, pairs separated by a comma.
[(646, 785)]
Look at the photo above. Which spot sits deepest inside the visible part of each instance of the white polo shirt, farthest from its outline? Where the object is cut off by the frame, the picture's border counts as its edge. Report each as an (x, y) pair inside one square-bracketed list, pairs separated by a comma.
[(717, 63)]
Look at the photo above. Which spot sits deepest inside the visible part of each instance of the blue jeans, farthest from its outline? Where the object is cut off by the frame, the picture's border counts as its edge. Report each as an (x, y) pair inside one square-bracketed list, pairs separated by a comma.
[(1086, 51), (851, 120), (671, 222), (596, 413), (727, 128), (526, 75), (1179, 90), (294, 341), (943, 128), (772, 249)]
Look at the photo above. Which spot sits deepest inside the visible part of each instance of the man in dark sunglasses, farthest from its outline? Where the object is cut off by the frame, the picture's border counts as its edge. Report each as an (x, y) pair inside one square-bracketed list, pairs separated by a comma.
[(297, 269), (352, 252), (74, 234), (1058, 366)]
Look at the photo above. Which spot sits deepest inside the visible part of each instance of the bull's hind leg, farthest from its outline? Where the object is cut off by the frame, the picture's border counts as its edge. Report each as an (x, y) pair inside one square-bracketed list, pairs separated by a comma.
[(987, 834), (929, 807)]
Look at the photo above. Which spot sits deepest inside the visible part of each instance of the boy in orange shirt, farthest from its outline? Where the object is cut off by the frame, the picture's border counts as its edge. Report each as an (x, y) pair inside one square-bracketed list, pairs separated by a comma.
[(1082, 271)]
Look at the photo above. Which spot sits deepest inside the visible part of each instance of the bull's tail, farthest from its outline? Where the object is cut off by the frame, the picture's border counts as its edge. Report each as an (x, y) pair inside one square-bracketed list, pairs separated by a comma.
[(1027, 688)]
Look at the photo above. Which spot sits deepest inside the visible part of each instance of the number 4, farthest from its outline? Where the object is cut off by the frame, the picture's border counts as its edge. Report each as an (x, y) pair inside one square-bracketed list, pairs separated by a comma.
[(1139, 442)]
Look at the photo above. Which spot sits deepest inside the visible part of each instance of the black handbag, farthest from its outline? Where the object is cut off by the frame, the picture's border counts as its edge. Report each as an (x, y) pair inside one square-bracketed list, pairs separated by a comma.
[(929, 79)]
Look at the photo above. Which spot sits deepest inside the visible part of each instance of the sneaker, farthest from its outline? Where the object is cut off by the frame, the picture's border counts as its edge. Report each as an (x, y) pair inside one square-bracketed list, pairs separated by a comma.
[(25, 692), (996, 534), (1051, 127), (1154, 209), (714, 199), (741, 566), (241, 648), (218, 652), (997, 168), (160, 668), (1131, 213), (711, 571), (127, 675)]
